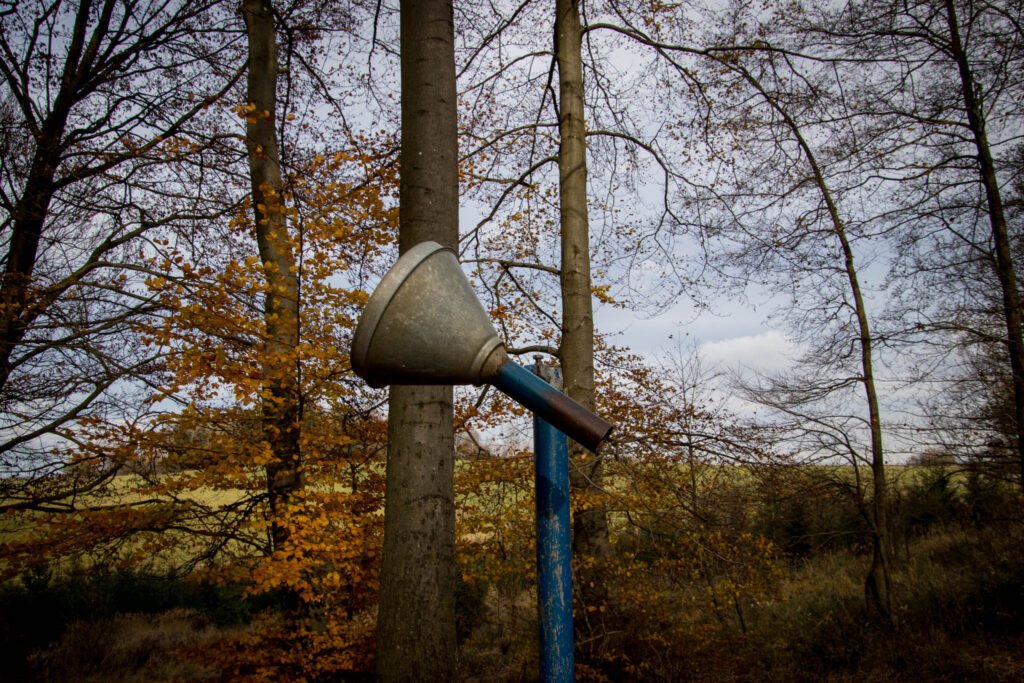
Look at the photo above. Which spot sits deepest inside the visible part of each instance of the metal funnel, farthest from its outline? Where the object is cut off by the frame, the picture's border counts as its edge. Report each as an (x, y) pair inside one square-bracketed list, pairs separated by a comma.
[(424, 325)]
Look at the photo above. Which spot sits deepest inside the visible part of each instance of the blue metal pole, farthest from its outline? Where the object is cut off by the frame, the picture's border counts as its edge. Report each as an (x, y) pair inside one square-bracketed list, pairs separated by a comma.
[(554, 559)]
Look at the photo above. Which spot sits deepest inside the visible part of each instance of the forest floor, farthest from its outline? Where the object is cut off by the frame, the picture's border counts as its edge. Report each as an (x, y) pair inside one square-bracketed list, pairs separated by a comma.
[(958, 607)]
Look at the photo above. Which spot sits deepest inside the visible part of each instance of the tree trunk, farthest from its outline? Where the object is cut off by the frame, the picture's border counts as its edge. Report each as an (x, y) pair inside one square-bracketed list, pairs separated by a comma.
[(28, 220), (590, 526), (877, 582), (281, 405), (416, 621), (31, 211), (1003, 264)]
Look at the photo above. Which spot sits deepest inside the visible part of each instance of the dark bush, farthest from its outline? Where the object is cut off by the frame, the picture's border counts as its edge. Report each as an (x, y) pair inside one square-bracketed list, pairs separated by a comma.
[(36, 610), (801, 525), (930, 500), (989, 498), (470, 605)]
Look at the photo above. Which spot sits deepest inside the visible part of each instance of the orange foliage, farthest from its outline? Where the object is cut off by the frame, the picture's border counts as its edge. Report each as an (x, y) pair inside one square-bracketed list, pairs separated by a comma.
[(684, 568), (274, 649), (196, 500)]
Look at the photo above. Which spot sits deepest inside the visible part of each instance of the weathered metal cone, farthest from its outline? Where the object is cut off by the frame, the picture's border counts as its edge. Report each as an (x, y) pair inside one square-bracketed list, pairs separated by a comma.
[(424, 325)]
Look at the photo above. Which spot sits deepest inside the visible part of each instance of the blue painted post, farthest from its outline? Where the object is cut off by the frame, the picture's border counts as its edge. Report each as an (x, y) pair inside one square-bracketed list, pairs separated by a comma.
[(554, 559)]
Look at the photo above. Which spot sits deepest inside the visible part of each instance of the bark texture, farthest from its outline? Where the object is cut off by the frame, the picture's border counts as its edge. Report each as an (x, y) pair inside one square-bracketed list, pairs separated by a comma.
[(1003, 264), (281, 406), (416, 622), (590, 527)]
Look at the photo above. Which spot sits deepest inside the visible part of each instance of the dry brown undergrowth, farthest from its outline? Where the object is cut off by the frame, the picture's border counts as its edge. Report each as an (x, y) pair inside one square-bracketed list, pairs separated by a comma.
[(129, 648)]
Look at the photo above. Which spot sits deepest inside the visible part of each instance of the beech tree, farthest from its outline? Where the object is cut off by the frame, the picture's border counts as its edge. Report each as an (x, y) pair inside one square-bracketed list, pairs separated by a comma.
[(954, 95), (416, 623), (801, 390), (786, 157), (242, 336), (100, 141), (590, 525), (532, 229), (280, 397)]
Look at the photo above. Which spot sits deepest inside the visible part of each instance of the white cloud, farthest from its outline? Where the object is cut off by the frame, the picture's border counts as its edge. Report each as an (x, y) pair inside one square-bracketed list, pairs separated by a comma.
[(769, 351), (682, 322)]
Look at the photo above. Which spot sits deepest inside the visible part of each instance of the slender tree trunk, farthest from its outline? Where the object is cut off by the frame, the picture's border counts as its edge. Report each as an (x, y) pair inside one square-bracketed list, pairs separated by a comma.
[(281, 405), (32, 208), (416, 622), (877, 583), (877, 586), (1003, 264), (590, 526)]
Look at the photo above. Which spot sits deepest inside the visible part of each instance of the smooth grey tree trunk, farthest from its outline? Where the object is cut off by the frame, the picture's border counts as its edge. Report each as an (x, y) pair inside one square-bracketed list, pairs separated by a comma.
[(281, 405), (590, 526), (1003, 265), (416, 622)]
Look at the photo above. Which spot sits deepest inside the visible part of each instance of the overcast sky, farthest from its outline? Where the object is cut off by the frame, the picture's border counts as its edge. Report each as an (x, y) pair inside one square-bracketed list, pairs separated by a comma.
[(731, 335)]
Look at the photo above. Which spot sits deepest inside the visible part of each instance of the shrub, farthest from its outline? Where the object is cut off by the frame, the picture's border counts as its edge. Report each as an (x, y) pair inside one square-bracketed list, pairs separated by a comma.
[(37, 610), (126, 648), (958, 606), (930, 499)]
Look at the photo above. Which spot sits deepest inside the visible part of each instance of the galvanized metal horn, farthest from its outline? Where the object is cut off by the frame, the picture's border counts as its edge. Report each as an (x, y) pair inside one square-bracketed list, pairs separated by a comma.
[(424, 325)]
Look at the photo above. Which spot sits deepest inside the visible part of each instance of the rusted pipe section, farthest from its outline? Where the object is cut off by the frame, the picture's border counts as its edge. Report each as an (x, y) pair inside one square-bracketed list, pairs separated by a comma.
[(550, 404)]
